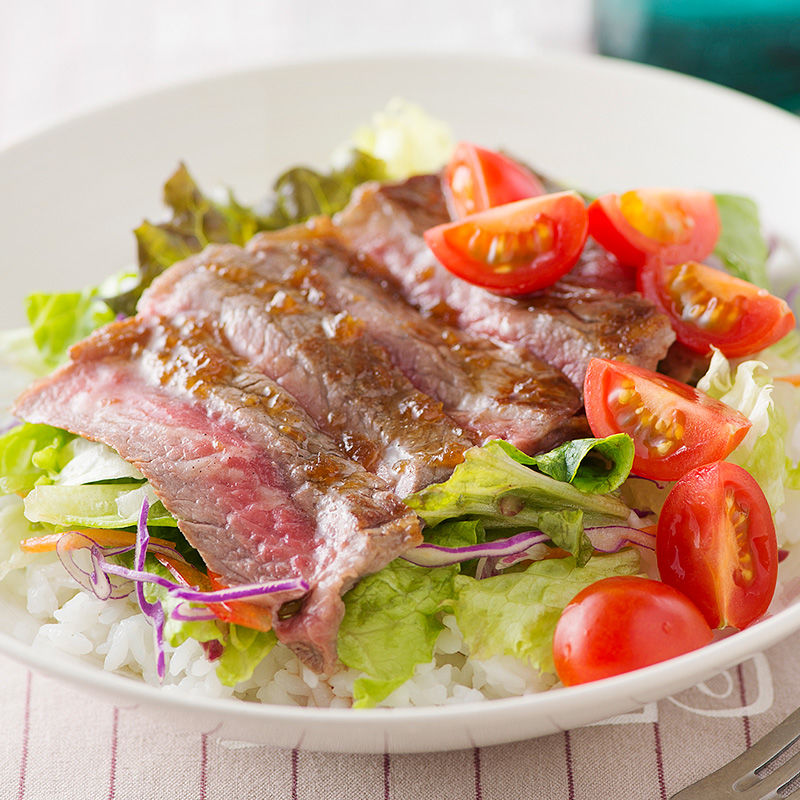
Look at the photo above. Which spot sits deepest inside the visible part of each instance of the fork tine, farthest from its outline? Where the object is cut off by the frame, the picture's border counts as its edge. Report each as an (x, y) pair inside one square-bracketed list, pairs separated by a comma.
[(740, 772), (771, 745), (768, 786)]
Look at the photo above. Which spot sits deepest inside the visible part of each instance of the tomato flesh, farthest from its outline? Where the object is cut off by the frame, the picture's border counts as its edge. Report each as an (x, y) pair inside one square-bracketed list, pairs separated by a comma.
[(503, 250), (709, 307), (674, 427), (624, 623), (516, 248), (716, 543), (673, 225), (476, 179)]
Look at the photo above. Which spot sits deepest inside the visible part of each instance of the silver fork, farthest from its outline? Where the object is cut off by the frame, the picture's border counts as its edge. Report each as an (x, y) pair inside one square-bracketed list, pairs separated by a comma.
[(739, 779)]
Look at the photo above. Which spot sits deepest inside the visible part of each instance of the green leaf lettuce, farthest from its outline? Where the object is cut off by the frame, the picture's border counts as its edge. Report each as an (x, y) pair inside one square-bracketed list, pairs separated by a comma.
[(741, 246), (31, 455), (243, 649), (390, 625), (197, 219), (59, 320), (493, 486), (516, 614), (591, 465)]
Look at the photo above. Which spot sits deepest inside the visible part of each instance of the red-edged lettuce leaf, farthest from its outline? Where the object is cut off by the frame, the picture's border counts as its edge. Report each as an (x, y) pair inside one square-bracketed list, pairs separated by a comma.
[(197, 219)]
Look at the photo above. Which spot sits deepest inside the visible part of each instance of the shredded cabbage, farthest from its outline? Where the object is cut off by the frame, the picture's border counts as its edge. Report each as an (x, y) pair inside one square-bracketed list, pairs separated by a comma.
[(769, 451), (407, 139), (749, 390), (516, 614), (94, 505)]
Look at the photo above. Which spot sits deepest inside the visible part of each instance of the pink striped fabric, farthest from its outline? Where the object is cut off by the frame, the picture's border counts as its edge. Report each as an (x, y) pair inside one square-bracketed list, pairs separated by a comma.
[(57, 741), (25, 738)]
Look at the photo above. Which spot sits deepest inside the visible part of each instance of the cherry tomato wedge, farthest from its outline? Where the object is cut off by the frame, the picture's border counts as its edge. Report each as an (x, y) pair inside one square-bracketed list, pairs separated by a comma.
[(674, 427), (716, 544), (709, 307), (517, 248), (476, 179), (620, 624), (674, 225)]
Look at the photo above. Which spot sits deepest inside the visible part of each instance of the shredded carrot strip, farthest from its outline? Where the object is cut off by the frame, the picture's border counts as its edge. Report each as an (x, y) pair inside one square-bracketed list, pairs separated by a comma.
[(184, 572), (241, 612), (105, 537), (793, 379), (650, 529), (238, 611)]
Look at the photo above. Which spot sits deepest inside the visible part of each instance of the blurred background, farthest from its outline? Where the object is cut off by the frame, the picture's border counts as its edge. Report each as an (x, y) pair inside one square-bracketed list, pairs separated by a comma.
[(59, 59), (751, 45)]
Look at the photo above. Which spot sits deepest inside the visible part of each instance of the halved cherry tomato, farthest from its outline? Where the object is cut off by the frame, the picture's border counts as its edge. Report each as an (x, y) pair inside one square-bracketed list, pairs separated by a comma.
[(709, 307), (624, 623), (716, 543), (476, 179), (673, 224), (674, 427), (517, 248)]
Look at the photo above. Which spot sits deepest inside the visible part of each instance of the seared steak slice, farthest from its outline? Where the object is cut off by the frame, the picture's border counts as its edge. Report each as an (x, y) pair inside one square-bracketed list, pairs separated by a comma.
[(492, 391), (336, 371), (567, 324), (598, 269), (684, 364), (255, 486)]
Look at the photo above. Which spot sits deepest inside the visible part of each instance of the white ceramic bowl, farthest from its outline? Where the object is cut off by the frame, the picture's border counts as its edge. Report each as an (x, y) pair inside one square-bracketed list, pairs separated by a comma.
[(71, 195)]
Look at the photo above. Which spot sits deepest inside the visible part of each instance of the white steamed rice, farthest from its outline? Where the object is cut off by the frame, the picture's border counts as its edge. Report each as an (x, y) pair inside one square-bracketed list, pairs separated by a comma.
[(115, 636)]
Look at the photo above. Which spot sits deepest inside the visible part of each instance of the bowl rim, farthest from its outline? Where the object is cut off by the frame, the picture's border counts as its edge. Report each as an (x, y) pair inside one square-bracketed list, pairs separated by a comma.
[(706, 661)]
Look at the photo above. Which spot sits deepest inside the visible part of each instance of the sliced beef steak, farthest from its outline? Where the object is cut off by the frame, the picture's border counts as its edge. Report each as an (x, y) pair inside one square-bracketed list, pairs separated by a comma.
[(255, 486), (327, 361), (566, 325), (493, 391)]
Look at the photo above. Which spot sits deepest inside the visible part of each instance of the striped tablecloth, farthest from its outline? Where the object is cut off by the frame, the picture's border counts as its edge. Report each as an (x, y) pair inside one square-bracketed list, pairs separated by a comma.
[(58, 742)]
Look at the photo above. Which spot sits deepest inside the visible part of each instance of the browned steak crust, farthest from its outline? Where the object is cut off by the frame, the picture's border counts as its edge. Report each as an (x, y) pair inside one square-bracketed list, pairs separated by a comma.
[(254, 485), (566, 325)]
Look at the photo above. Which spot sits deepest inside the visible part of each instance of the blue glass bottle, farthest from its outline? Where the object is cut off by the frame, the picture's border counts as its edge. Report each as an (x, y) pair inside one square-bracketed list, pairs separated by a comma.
[(751, 45)]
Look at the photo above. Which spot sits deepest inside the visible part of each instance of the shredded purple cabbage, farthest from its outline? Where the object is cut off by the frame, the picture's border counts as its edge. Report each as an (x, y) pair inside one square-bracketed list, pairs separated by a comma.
[(243, 592), (153, 611), (95, 579), (605, 539), (213, 649), (529, 546), (612, 538), (434, 555), (656, 483), (107, 580), (9, 426), (185, 612)]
